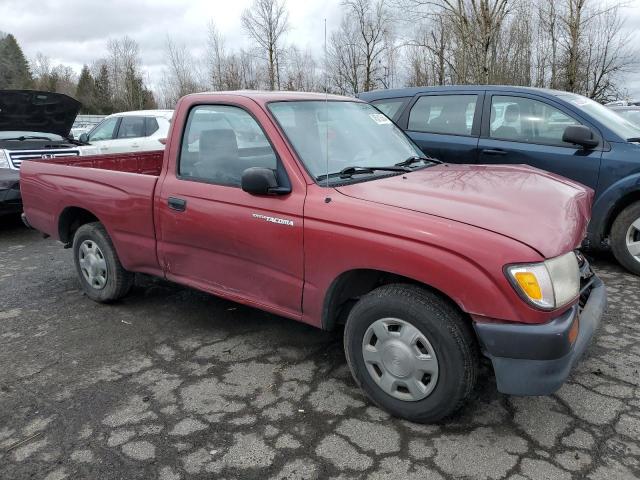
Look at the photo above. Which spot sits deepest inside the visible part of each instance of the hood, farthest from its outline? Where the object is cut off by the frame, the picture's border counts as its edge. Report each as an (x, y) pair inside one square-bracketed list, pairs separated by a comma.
[(33, 111), (547, 212)]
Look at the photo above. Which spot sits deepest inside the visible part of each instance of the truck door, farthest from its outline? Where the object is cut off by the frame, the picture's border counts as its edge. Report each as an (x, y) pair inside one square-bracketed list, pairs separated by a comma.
[(523, 129), (214, 236)]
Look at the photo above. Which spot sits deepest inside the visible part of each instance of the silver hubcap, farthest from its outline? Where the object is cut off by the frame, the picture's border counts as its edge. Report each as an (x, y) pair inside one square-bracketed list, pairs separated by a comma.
[(633, 239), (400, 359), (92, 264)]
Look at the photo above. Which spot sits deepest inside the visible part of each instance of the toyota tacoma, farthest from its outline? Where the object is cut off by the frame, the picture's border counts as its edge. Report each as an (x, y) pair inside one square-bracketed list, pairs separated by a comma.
[(321, 210)]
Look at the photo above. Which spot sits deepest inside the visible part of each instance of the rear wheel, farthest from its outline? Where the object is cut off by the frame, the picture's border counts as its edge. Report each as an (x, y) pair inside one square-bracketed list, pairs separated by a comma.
[(625, 238), (100, 272), (411, 352)]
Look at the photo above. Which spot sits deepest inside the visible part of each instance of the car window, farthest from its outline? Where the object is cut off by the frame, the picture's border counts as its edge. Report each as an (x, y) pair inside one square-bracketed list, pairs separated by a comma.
[(389, 106), (220, 142), (448, 114), (632, 115), (104, 131), (151, 126), (522, 119), (131, 127)]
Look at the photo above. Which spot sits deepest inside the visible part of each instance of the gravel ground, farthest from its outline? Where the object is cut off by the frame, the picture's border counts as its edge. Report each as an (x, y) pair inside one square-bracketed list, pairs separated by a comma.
[(172, 383)]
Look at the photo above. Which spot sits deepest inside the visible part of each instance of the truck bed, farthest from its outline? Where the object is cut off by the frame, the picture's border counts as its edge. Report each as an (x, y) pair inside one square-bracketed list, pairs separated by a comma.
[(147, 163), (116, 190)]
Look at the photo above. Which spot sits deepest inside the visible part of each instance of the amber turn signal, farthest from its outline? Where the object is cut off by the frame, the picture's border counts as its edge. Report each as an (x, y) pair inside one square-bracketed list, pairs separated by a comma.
[(529, 285), (574, 330)]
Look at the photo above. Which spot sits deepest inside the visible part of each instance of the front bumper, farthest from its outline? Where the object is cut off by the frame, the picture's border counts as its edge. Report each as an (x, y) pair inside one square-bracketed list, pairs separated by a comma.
[(537, 359), (10, 200)]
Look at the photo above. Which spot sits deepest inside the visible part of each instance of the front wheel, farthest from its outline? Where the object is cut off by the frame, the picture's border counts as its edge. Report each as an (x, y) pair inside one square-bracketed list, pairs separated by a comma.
[(625, 238), (100, 272), (412, 353)]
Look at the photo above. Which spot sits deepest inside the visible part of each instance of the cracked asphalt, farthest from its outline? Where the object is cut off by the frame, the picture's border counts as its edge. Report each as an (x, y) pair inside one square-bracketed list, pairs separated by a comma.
[(172, 383)]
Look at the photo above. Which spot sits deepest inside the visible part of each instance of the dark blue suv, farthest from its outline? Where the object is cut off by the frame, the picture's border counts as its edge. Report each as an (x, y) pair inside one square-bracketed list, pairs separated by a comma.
[(560, 132)]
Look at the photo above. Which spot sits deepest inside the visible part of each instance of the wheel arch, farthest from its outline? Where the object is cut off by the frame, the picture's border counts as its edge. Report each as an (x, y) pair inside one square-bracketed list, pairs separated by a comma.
[(347, 287), (629, 199), (72, 218), (609, 205)]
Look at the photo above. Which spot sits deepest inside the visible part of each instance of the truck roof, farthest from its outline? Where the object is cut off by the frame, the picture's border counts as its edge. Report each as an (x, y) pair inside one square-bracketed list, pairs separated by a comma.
[(265, 96)]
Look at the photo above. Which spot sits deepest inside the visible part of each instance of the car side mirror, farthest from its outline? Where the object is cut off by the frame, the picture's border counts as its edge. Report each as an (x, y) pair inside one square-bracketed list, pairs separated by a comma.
[(580, 135), (262, 181), (84, 137)]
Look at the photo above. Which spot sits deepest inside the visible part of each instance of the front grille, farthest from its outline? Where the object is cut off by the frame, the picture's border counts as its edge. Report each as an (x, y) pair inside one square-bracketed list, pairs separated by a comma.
[(586, 279), (19, 156)]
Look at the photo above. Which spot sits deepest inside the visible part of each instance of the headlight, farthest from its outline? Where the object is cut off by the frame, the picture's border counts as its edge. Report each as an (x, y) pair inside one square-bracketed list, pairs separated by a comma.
[(4, 161), (549, 284)]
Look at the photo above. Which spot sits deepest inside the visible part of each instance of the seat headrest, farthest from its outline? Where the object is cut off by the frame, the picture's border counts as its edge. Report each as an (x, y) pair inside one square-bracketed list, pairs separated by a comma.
[(219, 142), (512, 113)]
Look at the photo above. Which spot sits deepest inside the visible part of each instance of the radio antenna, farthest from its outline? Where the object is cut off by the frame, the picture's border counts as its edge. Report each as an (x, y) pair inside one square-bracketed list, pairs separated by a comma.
[(326, 110)]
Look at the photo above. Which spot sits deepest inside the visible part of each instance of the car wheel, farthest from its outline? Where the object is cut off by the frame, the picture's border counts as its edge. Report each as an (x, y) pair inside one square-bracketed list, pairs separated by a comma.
[(625, 238), (100, 272), (413, 353)]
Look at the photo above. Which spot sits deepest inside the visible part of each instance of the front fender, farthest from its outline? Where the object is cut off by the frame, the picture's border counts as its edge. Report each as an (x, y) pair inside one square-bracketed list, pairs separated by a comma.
[(463, 262)]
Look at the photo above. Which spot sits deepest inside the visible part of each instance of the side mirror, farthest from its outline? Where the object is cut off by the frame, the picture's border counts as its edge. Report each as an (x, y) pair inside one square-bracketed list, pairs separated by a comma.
[(84, 137), (262, 181), (580, 135)]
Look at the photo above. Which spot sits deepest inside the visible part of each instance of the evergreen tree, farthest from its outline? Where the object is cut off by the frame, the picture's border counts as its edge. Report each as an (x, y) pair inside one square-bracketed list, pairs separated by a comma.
[(14, 68), (103, 94), (136, 95), (86, 91)]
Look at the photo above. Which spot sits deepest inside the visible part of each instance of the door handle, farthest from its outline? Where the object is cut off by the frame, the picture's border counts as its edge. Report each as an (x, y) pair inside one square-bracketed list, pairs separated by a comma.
[(177, 204), (493, 151)]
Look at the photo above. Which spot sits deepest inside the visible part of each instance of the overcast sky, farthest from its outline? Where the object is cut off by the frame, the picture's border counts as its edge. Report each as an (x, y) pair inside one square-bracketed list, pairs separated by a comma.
[(75, 32)]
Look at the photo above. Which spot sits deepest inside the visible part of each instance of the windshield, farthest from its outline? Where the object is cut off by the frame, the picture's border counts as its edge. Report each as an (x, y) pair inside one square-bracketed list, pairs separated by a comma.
[(18, 134), (355, 135), (606, 116), (632, 115)]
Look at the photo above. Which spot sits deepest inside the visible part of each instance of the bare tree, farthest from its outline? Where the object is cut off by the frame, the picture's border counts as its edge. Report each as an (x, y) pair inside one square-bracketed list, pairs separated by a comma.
[(361, 53), (216, 57), (300, 70), (58, 78), (127, 84), (608, 55), (372, 19), (473, 30), (344, 62), (180, 76), (266, 21)]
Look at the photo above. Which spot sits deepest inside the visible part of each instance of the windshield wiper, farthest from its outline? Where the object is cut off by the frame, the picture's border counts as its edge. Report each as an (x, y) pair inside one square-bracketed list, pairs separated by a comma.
[(415, 159), (349, 172), (27, 137), (73, 141)]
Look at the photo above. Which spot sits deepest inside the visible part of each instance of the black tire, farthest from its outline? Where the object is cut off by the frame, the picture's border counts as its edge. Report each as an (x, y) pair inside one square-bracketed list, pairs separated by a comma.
[(618, 237), (447, 330), (118, 280)]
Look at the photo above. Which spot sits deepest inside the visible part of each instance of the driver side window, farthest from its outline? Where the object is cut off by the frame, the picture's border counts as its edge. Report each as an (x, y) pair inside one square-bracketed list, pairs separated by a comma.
[(105, 130), (220, 142), (521, 119)]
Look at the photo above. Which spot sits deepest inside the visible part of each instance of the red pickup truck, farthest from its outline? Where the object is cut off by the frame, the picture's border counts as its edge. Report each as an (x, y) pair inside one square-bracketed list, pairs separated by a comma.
[(322, 210)]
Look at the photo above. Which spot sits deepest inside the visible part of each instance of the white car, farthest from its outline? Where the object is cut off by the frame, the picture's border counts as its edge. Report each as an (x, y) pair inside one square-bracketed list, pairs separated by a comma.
[(125, 132)]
